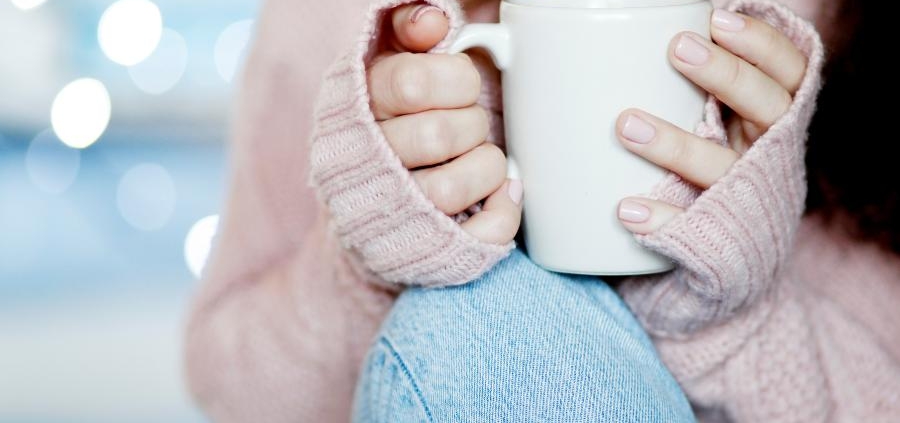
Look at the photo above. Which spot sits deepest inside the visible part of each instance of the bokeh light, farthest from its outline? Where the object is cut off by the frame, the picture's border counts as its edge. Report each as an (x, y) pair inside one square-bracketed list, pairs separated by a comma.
[(165, 67), (231, 48), (51, 166), (198, 244), (100, 181), (27, 4), (81, 112), (146, 197), (129, 31)]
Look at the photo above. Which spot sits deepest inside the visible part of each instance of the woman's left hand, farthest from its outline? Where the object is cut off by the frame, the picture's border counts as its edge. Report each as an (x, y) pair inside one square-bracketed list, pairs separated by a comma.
[(752, 68)]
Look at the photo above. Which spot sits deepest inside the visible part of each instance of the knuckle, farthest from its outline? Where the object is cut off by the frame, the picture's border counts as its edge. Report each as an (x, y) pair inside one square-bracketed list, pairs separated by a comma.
[(796, 80), (465, 57), (494, 152), (468, 76), (482, 121), (496, 160), (432, 135), (772, 39), (784, 105), (410, 81), (680, 154), (445, 193), (735, 73), (786, 101)]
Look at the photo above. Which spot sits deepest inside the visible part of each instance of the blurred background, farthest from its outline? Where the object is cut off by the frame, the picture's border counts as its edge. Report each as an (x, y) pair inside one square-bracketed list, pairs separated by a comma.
[(113, 121)]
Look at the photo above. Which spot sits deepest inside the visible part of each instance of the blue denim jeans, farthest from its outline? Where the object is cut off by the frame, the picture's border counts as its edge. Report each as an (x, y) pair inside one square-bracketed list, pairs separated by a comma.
[(519, 345)]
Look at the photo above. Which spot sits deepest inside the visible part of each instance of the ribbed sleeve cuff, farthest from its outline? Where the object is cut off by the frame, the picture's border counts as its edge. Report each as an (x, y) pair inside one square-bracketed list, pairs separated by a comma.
[(734, 238), (380, 214)]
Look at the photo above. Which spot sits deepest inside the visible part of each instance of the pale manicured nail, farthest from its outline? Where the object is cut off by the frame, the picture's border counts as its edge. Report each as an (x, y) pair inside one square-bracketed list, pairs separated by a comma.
[(516, 191), (691, 51), (638, 130), (728, 21), (633, 212), (422, 11)]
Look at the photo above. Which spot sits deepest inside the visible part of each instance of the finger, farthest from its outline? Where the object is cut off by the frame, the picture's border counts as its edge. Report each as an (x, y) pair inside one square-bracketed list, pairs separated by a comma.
[(419, 27), (459, 184), (409, 83), (433, 137), (744, 88), (761, 45), (697, 160), (499, 220), (644, 216)]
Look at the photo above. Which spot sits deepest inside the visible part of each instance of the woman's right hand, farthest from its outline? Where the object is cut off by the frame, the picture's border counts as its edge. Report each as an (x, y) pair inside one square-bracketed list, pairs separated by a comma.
[(426, 106)]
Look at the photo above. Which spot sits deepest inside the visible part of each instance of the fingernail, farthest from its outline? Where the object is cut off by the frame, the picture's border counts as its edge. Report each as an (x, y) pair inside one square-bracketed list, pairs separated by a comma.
[(638, 130), (728, 21), (633, 212), (516, 191), (422, 11), (691, 51)]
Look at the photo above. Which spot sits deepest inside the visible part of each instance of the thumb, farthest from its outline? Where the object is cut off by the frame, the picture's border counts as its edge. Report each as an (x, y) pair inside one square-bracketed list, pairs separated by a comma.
[(419, 27)]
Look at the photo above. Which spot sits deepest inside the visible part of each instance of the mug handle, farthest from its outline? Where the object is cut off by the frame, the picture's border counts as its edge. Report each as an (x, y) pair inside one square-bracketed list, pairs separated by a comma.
[(494, 38)]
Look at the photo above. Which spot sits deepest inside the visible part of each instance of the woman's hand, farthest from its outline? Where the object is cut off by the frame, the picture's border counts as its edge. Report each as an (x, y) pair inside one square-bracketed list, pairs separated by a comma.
[(426, 106), (751, 68)]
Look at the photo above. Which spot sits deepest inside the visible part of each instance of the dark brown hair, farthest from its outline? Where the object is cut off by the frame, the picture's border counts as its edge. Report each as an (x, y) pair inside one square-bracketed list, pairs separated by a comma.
[(854, 168)]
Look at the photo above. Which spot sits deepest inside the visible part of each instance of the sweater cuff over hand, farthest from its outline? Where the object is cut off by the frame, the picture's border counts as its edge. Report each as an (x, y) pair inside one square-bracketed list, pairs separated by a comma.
[(735, 237), (378, 211)]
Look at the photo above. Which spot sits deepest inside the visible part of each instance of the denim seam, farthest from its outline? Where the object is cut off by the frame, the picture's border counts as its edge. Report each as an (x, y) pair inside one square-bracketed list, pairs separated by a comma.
[(396, 354)]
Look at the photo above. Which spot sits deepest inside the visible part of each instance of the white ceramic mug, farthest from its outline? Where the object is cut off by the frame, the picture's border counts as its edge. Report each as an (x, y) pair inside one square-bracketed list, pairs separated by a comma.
[(570, 68)]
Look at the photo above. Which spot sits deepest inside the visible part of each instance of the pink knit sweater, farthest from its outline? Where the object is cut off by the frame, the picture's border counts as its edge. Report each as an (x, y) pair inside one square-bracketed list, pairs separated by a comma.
[(767, 318)]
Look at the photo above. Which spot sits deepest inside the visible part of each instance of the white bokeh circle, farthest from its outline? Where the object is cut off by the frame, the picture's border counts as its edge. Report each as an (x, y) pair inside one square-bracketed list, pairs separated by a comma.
[(198, 244), (51, 166), (129, 31), (146, 197), (81, 112), (165, 67), (27, 4), (231, 48)]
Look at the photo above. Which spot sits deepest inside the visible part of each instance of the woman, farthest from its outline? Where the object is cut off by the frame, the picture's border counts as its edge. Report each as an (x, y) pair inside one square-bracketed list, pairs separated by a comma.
[(281, 327)]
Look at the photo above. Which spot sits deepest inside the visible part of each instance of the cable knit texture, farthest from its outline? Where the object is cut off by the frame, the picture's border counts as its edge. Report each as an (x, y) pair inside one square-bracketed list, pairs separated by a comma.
[(765, 319)]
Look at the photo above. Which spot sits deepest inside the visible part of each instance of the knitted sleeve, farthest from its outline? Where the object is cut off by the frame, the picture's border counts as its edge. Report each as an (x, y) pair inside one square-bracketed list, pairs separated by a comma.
[(734, 238), (377, 210)]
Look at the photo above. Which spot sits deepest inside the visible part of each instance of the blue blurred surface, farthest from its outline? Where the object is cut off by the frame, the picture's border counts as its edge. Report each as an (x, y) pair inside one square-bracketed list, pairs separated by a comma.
[(92, 307), (76, 242)]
